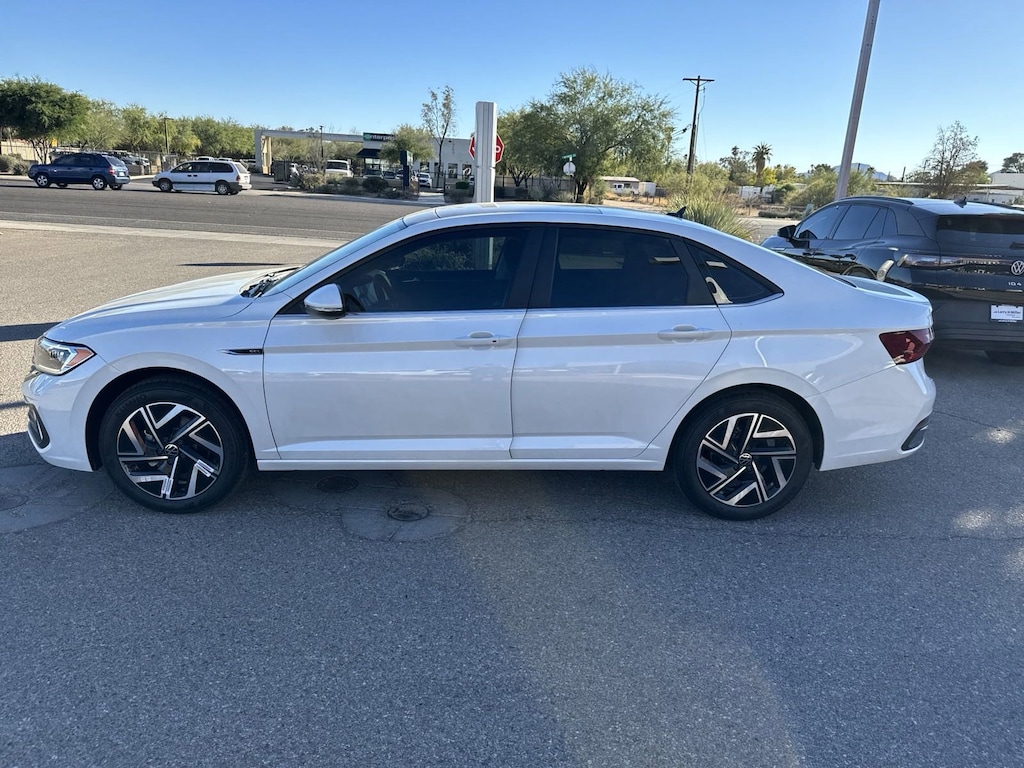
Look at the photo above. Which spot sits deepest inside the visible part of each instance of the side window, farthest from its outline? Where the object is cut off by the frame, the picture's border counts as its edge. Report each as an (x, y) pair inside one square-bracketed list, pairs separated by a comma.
[(65, 160), (729, 282), (819, 225), (907, 224), (448, 272), (605, 268), (223, 168), (889, 227), (856, 222), (184, 168), (201, 167)]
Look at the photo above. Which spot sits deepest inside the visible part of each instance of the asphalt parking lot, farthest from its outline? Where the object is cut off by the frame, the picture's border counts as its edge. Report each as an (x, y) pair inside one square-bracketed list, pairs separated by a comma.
[(557, 619)]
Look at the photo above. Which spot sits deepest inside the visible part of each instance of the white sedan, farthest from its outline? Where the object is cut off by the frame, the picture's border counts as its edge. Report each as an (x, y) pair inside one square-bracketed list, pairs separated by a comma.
[(517, 336)]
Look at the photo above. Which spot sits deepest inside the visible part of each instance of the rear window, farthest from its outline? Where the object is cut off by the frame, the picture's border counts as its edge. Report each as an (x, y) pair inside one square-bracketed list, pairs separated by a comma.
[(994, 230)]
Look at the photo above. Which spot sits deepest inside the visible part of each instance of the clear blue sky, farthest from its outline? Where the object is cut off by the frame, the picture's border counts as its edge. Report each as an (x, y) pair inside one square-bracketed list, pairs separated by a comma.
[(783, 70)]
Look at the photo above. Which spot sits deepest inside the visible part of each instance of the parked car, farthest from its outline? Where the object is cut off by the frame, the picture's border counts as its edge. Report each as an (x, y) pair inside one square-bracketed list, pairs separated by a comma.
[(81, 168), (338, 169), (423, 180), (221, 176), (966, 258), (517, 336), (392, 175)]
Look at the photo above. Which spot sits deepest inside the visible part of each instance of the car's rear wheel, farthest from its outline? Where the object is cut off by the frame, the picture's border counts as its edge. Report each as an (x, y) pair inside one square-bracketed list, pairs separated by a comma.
[(1005, 358), (165, 185), (98, 182), (62, 185), (173, 446), (746, 456), (222, 188), (115, 187), (42, 180)]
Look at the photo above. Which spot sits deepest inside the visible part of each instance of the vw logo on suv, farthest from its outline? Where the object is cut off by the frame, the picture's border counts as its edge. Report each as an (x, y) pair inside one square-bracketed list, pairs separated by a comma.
[(1017, 268)]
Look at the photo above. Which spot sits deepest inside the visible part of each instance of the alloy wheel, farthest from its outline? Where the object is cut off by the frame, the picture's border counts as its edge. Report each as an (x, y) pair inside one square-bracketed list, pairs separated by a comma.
[(746, 459), (170, 451)]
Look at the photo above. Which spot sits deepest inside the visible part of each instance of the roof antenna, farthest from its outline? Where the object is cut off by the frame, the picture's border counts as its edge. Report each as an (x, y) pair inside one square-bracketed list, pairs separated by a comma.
[(679, 214), (962, 201)]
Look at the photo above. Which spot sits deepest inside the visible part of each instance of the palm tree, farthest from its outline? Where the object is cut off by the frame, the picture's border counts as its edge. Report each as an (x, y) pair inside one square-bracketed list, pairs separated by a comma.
[(762, 154)]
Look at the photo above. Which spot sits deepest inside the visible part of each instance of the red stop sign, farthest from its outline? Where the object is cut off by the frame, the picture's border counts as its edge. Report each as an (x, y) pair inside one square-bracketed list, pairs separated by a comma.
[(499, 148)]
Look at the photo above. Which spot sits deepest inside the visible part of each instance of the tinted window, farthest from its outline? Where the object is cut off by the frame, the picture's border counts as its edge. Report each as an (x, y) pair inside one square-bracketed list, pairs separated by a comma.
[(729, 282), (906, 224), (605, 268), (856, 222), (450, 271), (990, 230), (65, 160), (223, 168), (818, 225), (201, 167)]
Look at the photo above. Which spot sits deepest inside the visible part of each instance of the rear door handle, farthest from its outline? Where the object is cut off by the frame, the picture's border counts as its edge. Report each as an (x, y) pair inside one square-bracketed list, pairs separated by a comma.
[(684, 333), (482, 339)]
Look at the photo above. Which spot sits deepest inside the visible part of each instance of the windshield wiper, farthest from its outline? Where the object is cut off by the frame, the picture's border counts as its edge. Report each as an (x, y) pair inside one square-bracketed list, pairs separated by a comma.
[(253, 290)]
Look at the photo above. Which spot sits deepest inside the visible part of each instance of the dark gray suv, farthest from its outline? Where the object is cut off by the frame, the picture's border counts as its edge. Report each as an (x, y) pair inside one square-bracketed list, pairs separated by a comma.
[(966, 258), (81, 168)]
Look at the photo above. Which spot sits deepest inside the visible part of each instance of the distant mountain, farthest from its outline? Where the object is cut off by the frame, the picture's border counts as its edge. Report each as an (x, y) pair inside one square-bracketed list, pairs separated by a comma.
[(878, 175)]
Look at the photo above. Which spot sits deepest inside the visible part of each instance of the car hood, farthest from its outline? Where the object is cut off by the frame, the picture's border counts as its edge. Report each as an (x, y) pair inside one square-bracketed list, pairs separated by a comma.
[(196, 301)]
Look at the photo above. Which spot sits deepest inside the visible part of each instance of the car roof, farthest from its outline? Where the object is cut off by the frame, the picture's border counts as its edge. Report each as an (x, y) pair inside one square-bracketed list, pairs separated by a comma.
[(939, 207), (569, 213)]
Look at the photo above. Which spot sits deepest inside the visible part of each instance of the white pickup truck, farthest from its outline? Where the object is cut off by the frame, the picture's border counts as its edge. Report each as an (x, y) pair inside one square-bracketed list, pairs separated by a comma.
[(338, 169)]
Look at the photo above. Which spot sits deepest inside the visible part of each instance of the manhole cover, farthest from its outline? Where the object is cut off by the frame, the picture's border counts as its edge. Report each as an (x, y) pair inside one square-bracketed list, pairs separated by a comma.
[(408, 511), (337, 484), (11, 500)]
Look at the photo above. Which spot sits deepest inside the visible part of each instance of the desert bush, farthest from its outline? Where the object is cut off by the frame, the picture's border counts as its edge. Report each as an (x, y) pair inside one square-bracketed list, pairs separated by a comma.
[(712, 210), (19, 167), (312, 182), (350, 186), (375, 184), (5, 164)]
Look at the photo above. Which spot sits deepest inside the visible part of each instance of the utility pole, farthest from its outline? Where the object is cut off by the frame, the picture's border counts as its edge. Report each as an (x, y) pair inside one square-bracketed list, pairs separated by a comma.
[(693, 126), (858, 98)]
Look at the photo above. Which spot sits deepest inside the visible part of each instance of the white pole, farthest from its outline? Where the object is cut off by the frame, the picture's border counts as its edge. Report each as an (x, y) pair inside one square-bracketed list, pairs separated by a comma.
[(486, 141), (858, 98)]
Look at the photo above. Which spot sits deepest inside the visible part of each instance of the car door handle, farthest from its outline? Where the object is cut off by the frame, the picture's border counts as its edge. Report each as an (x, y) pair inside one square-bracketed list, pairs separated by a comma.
[(482, 339), (684, 333)]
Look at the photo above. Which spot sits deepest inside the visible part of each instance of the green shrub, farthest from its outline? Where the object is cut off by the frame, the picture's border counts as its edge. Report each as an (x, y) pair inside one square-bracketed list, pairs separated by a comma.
[(712, 210), (375, 184), (5, 164), (350, 186), (462, 185), (391, 193), (312, 182), (18, 168)]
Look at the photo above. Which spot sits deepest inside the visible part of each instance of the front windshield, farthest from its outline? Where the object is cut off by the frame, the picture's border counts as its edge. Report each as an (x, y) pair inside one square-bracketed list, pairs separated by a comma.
[(337, 254)]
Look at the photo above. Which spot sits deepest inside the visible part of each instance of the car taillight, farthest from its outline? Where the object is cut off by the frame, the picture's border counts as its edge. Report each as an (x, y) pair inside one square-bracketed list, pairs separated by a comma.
[(907, 346), (238, 177)]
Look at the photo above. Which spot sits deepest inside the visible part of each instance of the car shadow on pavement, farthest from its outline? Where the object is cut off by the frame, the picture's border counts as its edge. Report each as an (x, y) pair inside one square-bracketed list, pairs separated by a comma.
[(24, 331)]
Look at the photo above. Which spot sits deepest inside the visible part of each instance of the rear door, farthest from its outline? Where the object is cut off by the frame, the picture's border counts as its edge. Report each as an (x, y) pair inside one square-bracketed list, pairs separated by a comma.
[(621, 330), (859, 229), (811, 233)]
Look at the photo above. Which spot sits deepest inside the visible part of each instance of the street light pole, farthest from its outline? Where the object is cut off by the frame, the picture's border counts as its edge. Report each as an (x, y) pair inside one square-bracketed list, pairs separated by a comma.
[(321, 149)]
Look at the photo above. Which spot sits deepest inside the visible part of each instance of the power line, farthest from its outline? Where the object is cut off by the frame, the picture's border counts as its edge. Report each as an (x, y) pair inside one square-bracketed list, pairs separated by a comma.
[(693, 126)]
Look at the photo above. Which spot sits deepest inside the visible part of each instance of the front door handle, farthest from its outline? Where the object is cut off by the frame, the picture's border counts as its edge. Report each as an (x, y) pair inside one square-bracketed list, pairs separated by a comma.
[(482, 339), (684, 333)]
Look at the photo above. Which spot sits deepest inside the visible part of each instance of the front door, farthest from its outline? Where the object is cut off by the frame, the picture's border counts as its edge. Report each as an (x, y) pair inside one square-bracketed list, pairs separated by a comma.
[(420, 367)]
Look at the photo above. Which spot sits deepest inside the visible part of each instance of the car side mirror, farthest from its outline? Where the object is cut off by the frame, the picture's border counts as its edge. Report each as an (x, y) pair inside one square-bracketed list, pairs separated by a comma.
[(787, 231), (325, 301)]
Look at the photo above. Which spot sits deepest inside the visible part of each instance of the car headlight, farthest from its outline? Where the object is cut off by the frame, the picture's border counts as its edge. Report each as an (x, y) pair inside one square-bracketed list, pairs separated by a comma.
[(56, 358)]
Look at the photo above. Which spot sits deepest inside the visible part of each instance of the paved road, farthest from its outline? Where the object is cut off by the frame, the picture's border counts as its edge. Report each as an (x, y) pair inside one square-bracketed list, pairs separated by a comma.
[(546, 619)]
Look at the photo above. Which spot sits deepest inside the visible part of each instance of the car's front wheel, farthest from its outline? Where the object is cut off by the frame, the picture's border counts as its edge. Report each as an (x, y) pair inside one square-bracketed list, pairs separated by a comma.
[(98, 182), (744, 457), (222, 188), (42, 180), (173, 445), (1005, 358), (165, 185)]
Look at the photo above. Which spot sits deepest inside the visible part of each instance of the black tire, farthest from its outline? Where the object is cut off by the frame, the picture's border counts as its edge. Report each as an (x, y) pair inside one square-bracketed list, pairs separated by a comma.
[(116, 187), (185, 474), (222, 188), (42, 180), (98, 183), (1005, 358), (165, 185), (62, 185), (726, 469)]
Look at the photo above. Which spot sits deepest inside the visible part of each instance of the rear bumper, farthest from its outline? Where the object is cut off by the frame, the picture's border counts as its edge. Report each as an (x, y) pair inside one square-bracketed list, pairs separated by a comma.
[(968, 324)]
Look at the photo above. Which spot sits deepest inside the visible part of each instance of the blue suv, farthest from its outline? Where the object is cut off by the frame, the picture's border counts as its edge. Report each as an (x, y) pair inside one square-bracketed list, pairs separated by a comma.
[(81, 168)]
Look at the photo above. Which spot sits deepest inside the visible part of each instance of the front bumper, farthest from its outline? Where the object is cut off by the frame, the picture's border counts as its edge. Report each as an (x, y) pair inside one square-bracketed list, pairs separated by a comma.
[(56, 427)]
